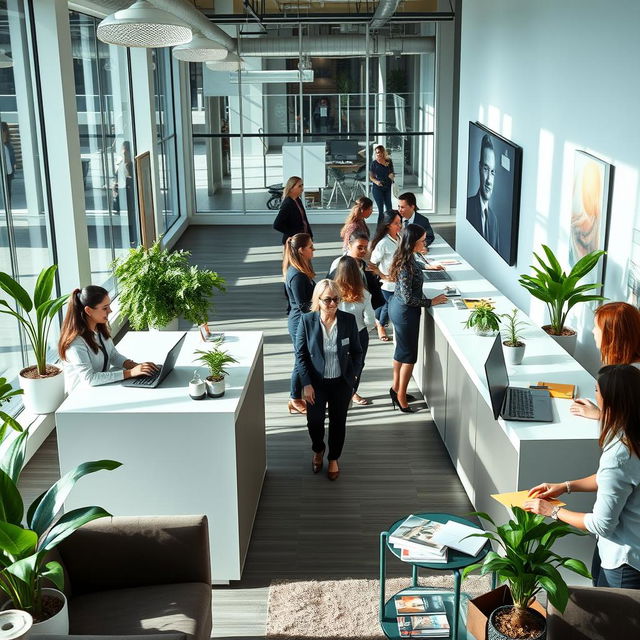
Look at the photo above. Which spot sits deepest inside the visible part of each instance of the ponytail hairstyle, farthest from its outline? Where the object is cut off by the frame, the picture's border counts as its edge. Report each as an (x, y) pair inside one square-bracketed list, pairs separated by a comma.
[(293, 257), (348, 278), (620, 417), (356, 215), (383, 228), (410, 199), (404, 252), (620, 326), (75, 321)]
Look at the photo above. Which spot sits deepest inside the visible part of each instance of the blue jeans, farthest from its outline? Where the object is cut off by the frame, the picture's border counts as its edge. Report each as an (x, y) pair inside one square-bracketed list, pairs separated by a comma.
[(623, 577), (382, 313), (382, 196)]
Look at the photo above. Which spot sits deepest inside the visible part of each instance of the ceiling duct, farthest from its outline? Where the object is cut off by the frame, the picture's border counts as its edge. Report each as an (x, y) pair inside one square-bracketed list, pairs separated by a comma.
[(386, 9), (335, 45)]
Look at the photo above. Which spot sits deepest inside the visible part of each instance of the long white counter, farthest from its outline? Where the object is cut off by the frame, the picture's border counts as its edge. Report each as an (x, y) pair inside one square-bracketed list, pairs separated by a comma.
[(179, 456), (495, 456)]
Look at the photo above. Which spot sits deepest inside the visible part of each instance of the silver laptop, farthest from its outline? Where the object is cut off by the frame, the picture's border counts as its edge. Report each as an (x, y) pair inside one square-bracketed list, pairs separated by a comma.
[(514, 403), (150, 382)]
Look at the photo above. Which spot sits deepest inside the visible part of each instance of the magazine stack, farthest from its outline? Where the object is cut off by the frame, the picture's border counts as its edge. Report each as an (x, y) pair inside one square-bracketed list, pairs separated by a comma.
[(421, 615), (414, 538)]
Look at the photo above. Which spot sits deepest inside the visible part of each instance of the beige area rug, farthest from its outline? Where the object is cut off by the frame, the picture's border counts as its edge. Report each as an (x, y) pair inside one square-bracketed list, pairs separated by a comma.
[(338, 609)]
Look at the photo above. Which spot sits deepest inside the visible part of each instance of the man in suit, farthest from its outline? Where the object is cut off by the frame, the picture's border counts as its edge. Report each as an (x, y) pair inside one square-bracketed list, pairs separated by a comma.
[(479, 213), (408, 209)]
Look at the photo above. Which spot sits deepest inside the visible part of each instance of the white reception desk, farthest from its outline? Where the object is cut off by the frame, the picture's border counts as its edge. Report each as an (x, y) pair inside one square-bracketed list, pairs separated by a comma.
[(179, 456), (495, 456)]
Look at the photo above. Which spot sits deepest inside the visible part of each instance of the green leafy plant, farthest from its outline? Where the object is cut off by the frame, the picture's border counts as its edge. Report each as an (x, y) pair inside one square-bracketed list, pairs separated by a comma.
[(483, 318), (6, 393), (35, 315), (528, 564), (23, 548), (513, 325), (215, 360), (559, 290), (158, 285)]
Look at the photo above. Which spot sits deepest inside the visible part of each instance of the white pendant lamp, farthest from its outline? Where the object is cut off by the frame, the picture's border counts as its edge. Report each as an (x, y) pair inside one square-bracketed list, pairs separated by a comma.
[(143, 25), (200, 49), (231, 63)]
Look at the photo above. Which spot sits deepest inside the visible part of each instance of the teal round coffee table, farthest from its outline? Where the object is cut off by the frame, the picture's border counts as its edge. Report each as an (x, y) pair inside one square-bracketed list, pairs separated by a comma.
[(456, 560)]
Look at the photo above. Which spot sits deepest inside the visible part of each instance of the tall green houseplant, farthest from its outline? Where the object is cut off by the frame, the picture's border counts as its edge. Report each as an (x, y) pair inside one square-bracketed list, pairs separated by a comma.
[(158, 285), (560, 290)]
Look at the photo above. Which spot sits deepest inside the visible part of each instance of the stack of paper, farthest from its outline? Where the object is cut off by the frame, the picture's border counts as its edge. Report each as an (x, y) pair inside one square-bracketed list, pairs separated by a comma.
[(414, 540)]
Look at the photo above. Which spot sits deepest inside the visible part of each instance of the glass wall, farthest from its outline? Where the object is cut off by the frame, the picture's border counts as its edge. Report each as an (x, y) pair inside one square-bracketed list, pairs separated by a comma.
[(25, 235), (103, 96), (250, 129), (166, 137)]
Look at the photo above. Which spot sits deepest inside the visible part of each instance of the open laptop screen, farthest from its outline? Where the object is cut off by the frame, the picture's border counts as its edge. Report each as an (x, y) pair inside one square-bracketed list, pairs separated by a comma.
[(497, 378)]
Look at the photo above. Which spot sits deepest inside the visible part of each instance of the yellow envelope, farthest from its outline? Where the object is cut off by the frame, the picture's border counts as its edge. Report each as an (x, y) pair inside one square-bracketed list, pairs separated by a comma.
[(518, 498), (557, 390)]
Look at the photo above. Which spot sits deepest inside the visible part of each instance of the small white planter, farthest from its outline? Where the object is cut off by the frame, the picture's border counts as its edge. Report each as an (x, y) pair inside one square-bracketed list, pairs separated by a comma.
[(57, 625), (215, 389), (567, 342), (513, 355), (15, 624), (42, 395)]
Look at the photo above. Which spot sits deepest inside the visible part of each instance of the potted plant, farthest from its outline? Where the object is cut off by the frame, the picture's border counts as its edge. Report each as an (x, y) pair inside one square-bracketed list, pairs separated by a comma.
[(43, 383), (560, 291), (24, 565), (514, 351), (158, 286), (216, 360), (527, 566), (483, 319)]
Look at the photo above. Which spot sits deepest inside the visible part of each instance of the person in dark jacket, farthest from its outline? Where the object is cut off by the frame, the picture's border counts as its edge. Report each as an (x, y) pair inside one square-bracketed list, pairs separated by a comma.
[(408, 209), (298, 281), (328, 359), (292, 217), (381, 174)]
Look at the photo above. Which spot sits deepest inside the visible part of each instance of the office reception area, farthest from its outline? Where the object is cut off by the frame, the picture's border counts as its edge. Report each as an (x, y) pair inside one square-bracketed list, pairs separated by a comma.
[(211, 428)]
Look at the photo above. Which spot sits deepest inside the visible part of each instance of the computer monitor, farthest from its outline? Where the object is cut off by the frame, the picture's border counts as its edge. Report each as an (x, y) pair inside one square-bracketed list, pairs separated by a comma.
[(343, 149), (497, 378)]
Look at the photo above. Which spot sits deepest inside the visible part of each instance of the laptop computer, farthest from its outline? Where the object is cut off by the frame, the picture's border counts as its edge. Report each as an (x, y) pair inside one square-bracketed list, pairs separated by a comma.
[(514, 403), (150, 382), (434, 276)]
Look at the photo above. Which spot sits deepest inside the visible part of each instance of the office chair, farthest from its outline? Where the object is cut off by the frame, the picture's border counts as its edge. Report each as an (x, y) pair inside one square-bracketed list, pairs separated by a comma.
[(358, 185), (339, 182)]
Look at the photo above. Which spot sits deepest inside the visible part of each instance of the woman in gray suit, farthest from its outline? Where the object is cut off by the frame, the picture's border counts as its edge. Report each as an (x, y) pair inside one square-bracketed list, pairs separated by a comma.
[(328, 360)]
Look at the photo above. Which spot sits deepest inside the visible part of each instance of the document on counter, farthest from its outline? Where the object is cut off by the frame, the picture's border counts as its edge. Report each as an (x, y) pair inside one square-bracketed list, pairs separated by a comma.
[(518, 498)]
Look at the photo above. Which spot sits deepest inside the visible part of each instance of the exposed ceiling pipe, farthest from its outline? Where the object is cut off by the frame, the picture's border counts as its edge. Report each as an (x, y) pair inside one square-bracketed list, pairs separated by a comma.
[(189, 14), (336, 45), (386, 9)]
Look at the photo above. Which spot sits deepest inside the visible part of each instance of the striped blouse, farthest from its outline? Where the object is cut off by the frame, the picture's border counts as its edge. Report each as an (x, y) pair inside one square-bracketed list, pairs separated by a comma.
[(330, 343)]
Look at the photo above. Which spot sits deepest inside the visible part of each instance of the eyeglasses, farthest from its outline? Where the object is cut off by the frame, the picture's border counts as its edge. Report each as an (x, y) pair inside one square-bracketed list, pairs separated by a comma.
[(329, 300)]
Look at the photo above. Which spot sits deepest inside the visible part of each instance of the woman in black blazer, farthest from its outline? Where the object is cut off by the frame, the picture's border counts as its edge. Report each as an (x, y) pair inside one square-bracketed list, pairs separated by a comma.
[(298, 283), (405, 309), (328, 359), (292, 218)]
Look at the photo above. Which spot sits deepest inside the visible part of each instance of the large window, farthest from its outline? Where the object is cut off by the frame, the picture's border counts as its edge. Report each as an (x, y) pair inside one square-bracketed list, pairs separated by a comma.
[(103, 96), (25, 235)]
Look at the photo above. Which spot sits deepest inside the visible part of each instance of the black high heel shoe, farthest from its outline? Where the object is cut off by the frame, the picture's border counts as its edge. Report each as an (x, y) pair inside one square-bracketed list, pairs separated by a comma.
[(394, 397)]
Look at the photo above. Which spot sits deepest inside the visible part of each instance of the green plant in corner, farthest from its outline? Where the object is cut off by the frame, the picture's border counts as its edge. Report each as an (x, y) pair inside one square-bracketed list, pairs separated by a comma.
[(559, 290), (483, 318), (24, 547), (6, 393), (215, 360), (528, 564), (513, 325)]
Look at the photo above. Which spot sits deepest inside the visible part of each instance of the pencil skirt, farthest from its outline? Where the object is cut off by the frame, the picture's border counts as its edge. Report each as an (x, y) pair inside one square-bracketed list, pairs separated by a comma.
[(406, 327)]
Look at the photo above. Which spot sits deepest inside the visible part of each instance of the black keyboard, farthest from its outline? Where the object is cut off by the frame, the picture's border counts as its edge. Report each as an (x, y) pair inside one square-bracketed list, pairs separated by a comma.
[(520, 403), (436, 275), (145, 381)]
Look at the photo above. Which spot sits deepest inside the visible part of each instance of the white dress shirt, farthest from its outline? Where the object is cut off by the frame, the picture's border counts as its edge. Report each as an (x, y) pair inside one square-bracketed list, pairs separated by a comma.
[(83, 367), (363, 311), (330, 343), (382, 256)]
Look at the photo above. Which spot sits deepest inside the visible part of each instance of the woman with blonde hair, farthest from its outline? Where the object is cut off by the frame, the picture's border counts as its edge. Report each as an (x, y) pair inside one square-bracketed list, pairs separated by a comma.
[(355, 221), (356, 300), (328, 359), (298, 277), (382, 176), (292, 217)]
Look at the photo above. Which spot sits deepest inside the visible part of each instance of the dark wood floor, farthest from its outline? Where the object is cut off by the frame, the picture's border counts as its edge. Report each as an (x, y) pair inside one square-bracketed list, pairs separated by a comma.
[(307, 527)]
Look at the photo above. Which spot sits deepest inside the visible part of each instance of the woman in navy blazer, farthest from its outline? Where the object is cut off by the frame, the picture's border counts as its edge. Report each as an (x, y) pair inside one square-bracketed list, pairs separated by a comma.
[(328, 360), (292, 217)]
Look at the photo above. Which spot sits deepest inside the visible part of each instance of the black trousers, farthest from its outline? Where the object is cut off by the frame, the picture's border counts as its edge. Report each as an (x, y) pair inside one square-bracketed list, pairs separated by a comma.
[(336, 393), (364, 343)]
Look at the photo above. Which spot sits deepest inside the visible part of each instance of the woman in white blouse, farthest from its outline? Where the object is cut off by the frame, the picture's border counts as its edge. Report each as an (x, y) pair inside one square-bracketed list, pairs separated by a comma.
[(383, 246), (90, 358), (356, 300)]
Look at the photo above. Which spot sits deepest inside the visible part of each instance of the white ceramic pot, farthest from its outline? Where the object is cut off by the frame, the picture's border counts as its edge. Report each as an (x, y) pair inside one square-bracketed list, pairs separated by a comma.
[(567, 342), (42, 395), (513, 355), (215, 389), (14, 624), (56, 625), (174, 325)]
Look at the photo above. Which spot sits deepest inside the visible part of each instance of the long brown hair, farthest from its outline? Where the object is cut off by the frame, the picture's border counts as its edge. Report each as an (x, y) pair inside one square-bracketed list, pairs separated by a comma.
[(620, 417), (620, 325), (293, 257), (383, 228), (348, 277), (291, 182), (404, 252), (356, 214), (75, 321)]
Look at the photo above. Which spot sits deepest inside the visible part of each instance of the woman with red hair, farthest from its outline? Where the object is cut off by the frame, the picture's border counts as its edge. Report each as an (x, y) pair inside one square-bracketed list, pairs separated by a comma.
[(616, 331)]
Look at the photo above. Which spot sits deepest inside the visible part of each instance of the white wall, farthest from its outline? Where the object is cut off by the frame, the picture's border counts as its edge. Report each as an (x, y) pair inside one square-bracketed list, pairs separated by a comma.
[(553, 76)]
